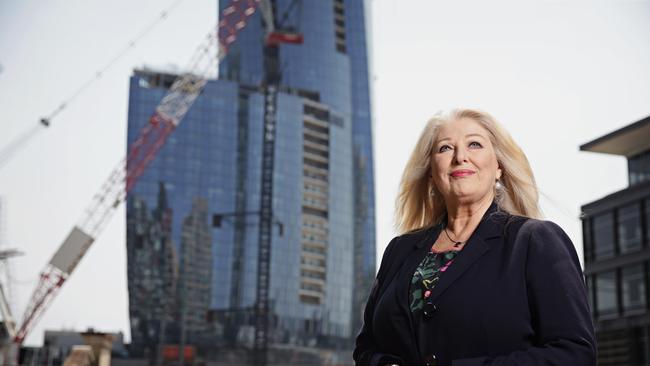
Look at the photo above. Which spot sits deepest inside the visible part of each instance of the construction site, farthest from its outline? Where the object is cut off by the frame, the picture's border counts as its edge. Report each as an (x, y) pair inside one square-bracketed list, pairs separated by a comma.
[(249, 202)]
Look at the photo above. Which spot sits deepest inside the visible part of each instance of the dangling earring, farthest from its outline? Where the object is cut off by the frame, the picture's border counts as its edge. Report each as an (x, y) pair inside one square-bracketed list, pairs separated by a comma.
[(432, 192), (499, 190)]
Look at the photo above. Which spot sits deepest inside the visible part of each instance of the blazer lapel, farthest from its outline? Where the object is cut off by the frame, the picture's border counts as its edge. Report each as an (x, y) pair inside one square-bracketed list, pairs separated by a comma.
[(476, 246)]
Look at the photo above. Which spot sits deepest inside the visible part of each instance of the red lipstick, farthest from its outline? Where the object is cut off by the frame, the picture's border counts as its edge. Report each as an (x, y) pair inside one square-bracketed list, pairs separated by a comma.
[(461, 173)]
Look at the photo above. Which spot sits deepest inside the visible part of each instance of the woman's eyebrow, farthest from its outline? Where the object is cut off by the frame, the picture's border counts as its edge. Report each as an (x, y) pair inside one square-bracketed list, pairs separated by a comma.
[(466, 136), (474, 135)]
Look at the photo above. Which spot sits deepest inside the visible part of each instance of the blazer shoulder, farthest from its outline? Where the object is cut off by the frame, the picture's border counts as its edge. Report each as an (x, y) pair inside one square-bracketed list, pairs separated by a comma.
[(504, 224), (537, 228), (394, 252), (402, 241), (390, 250), (548, 238), (419, 237)]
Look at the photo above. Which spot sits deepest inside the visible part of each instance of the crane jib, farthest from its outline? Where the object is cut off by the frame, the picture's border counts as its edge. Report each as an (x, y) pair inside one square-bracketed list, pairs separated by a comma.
[(167, 116)]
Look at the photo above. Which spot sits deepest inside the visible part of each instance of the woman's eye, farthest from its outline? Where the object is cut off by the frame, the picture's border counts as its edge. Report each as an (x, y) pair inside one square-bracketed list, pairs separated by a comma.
[(475, 144), (444, 148)]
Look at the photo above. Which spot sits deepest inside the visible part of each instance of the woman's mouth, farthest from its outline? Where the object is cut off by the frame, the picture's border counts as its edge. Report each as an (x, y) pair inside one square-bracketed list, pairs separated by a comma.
[(461, 173)]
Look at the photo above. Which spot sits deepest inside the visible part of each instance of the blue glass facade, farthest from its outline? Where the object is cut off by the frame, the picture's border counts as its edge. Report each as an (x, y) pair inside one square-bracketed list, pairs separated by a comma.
[(173, 253), (331, 67), (356, 15), (323, 242)]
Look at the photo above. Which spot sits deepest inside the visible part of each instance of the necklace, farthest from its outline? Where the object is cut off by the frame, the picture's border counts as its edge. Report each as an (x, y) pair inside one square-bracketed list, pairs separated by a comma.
[(456, 243)]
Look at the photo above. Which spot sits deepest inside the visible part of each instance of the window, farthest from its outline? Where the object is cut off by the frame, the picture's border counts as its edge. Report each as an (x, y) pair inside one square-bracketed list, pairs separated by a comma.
[(633, 291), (603, 230), (588, 245), (339, 19), (606, 303), (629, 228), (639, 168), (641, 339), (647, 220)]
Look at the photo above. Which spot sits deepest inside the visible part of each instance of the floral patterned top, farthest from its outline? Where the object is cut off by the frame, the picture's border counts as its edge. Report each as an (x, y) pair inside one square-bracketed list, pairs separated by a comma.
[(426, 277)]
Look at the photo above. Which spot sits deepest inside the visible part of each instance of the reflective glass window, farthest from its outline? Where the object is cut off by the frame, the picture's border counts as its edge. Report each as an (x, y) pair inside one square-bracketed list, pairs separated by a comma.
[(606, 303), (647, 220), (629, 228), (588, 245), (639, 168), (603, 230), (633, 291)]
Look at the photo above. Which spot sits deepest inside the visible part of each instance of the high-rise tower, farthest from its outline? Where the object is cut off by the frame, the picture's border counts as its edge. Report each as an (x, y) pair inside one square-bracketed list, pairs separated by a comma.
[(331, 68), (322, 257)]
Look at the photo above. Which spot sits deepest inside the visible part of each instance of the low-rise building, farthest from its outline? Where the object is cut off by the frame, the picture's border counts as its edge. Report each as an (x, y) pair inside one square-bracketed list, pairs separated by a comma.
[(616, 237)]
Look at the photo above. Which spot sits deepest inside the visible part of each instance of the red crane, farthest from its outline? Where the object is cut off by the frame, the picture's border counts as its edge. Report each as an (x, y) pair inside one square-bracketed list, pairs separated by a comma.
[(166, 117)]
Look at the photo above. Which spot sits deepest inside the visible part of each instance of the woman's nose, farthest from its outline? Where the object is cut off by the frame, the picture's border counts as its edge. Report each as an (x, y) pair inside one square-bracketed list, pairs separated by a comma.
[(460, 155)]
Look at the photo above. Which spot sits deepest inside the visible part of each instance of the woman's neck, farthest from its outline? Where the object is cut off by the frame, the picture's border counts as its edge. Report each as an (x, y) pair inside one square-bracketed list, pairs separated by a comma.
[(462, 219)]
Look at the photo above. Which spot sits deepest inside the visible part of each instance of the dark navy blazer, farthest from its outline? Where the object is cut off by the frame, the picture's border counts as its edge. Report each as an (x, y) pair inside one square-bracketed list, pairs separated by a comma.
[(515, 295)]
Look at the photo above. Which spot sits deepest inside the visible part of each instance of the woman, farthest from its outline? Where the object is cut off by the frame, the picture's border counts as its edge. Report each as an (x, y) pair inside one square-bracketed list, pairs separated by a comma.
[(476, 279)]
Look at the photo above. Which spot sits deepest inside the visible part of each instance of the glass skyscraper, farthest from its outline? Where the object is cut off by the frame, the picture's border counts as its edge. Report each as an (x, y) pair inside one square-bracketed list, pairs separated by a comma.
[(171, 245), (193, 216)]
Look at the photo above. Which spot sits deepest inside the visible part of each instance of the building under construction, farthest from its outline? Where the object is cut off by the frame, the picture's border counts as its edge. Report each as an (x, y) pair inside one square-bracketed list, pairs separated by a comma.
[(195, 221)]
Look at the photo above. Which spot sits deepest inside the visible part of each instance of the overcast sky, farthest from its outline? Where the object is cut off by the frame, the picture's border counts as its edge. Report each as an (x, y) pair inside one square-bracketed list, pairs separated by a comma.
[(555, 73)]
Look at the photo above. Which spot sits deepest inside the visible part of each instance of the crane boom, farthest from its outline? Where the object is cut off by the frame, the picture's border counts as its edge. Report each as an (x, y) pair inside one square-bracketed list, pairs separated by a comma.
[(166, 117)]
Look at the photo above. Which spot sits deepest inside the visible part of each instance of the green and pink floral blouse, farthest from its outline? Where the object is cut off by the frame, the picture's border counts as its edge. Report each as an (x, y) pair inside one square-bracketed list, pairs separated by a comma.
[(426, 276)]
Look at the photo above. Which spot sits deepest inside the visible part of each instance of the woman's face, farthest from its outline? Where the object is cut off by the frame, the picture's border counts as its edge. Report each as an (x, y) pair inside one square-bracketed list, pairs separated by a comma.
[(463, 162)]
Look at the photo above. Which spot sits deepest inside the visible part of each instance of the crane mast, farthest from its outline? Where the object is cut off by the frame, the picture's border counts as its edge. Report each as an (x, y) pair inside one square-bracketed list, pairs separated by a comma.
[(272, 77)]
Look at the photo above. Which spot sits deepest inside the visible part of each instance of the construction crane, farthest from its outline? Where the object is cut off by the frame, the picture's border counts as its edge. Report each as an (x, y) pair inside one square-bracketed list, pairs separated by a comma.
[(22, 140), (272, 77), (166, 117)]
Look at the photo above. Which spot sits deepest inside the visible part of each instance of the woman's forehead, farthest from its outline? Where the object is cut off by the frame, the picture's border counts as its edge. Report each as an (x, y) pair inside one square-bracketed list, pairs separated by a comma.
[(464, 127)]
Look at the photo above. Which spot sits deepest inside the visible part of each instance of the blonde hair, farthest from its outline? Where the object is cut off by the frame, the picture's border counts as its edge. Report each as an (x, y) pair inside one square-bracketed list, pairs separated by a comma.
[(417, 208)]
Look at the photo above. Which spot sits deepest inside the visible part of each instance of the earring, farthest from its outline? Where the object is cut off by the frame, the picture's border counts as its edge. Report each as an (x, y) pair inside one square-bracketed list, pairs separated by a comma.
[(499, 191), (432, 192)]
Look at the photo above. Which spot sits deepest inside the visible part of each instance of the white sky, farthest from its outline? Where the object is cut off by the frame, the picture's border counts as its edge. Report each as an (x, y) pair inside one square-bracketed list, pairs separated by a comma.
[(555, 73)]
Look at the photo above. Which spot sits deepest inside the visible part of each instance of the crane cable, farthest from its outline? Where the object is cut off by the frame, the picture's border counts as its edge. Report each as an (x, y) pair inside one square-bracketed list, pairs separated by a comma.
[(21, 141)]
